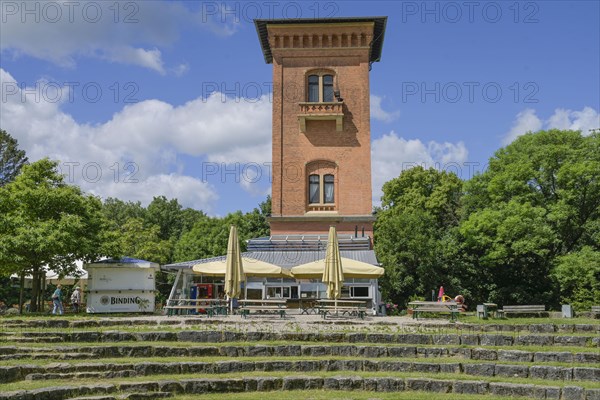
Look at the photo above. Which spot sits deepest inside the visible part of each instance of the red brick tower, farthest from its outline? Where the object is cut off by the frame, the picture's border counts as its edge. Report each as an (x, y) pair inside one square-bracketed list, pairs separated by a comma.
[(321, 122)]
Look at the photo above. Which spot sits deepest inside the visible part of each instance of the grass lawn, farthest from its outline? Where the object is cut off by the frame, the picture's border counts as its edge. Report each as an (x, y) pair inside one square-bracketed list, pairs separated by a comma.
[(30, 385)]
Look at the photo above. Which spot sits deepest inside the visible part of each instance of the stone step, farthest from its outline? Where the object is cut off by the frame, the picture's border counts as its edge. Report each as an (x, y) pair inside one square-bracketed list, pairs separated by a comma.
[(330, 337), (300, 383), (127, 396), (41, 339), (471, 353), (435, 326), (123, 373), (111, 371)]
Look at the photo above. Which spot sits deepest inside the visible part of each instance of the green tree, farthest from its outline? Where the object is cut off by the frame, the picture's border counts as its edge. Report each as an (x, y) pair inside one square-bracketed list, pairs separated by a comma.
[(119, 212), (208, 237), (578, 275), (510, 246), (11, 158), (538, 200), (166, 214), (46, 223), (204, 240), (420, 210), (144, 242)]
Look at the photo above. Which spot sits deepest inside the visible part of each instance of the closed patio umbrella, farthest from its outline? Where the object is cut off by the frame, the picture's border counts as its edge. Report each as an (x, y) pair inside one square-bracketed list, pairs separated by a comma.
[(234, 270), (333, 275)]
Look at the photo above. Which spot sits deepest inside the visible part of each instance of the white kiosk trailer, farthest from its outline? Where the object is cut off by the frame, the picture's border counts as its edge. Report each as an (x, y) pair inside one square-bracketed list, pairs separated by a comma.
[(124, 285)]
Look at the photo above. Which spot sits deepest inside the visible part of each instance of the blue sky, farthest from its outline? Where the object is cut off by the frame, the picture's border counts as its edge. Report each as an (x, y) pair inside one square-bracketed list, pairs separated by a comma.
[(178, 93)]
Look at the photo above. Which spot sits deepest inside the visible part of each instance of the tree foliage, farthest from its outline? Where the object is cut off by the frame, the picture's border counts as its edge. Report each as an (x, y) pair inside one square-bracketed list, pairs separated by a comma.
[(578, 276), (11, 158), (538, 200), (208, 237), (420, 208), (46, 223), (525, 231)]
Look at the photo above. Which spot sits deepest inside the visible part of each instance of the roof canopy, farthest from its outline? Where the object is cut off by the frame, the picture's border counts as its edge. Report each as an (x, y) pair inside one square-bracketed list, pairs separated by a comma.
[(285, 259), (125, 262), (376, 46)]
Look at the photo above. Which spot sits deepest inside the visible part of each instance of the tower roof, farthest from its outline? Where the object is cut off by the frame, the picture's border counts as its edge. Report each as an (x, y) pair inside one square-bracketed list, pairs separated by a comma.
[(376, 46)]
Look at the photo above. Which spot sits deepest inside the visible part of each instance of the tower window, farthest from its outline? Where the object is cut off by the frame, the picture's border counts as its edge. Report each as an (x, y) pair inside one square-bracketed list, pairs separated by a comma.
[(320, 88), (324, 185)]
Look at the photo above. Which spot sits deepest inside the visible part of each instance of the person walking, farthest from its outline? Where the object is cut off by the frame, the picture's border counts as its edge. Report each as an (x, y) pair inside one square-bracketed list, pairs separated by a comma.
[(76, 299), (57, 300)]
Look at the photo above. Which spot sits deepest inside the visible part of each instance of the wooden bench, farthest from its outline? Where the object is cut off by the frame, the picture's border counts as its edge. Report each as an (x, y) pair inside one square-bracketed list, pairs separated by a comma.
[(526, 309), (595, 311), (245, 310), (355, 311), (344, 307), (420, 307)]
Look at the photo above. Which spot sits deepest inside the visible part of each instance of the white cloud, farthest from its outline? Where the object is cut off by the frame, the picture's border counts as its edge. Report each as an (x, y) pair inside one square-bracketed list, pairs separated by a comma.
[(378, 113), (189, 191), (391, 154), (144, 58), (123, 32), (151, 134), (528, 121)]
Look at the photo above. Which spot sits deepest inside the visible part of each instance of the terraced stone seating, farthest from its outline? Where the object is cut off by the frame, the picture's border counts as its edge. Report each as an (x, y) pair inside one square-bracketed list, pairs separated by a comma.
[(157, 359)]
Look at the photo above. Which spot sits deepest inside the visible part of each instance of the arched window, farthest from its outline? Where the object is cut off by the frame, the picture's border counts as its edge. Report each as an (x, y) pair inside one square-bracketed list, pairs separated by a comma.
[(320, 88), (314, 189), (321, 185)]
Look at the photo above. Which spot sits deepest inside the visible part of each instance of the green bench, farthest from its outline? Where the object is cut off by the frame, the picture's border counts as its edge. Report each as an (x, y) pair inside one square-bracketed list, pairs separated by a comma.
[(246, 310), (357, 311)]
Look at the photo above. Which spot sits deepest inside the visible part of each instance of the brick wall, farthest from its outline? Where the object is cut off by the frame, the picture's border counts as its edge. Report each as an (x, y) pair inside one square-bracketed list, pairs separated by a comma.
[(297, 51)]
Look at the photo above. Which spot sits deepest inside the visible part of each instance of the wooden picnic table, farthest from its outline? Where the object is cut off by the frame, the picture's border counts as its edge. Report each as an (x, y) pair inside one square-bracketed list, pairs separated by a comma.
[(342, 306), (263, 306), (420, 307), (211, 306)]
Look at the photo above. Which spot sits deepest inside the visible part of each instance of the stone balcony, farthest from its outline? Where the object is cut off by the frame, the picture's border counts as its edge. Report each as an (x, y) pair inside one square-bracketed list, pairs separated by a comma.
[(322, 111), (321, 207)]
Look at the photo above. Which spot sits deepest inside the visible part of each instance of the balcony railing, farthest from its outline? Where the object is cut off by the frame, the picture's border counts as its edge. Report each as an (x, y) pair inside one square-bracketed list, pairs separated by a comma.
[(321, 207), (322, 111)]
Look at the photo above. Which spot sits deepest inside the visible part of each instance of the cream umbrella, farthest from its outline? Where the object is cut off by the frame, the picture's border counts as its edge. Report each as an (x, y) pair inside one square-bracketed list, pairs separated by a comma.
[(351, 268), (234, 270), (252, 267), (333, 275)]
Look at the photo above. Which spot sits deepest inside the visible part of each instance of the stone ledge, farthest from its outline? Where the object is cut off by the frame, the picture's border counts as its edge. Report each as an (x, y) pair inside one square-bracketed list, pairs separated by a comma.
[(113, 371), (380, 384)]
